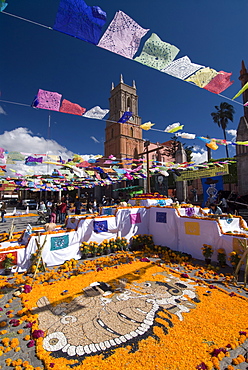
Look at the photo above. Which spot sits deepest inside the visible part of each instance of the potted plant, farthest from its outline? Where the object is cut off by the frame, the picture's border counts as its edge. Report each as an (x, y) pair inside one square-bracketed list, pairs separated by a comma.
[(8, 263), (85, 250), (234, 259), (221, 257), (93, 246), (207, 252)]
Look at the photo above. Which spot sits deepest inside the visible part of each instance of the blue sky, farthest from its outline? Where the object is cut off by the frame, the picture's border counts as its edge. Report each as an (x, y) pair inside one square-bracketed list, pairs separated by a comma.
[(211, 33)]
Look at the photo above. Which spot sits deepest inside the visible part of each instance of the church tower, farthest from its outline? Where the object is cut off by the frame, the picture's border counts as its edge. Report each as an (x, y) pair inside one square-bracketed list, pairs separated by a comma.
[(123, 140), (242, 135)]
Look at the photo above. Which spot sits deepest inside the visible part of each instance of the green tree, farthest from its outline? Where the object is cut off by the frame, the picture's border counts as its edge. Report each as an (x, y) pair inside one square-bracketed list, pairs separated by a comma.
[(175, 144), (172, 149), (224, 113)]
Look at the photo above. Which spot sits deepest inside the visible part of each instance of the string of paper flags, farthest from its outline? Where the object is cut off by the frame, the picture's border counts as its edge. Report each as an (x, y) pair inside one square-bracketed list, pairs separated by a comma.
[(89, 173), (123, 36), (52, 101)]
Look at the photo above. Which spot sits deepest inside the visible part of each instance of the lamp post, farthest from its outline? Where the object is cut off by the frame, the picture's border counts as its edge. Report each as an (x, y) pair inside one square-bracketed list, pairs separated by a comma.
[(148, 185)]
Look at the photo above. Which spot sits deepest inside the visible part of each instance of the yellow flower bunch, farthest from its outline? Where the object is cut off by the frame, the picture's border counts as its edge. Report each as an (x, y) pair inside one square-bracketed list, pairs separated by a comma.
[(8, 261), (221, 256), (234, 258), (207, 250)]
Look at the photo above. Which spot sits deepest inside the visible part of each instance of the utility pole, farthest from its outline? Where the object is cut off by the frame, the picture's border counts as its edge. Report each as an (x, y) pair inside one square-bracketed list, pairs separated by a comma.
[(146, 145)]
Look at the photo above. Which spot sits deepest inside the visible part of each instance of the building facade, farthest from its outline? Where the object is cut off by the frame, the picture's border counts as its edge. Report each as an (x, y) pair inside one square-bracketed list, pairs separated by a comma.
[(242, 135)]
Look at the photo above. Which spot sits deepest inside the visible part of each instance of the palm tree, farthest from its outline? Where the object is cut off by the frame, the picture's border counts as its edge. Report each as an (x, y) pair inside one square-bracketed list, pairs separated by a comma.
[(224, 113)]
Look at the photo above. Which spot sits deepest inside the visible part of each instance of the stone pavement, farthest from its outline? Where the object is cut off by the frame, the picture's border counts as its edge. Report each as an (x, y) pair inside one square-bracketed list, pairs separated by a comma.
[(20, 223)]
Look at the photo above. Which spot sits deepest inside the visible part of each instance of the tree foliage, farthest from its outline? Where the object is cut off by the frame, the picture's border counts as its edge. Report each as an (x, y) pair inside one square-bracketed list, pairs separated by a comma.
[(224, 113)]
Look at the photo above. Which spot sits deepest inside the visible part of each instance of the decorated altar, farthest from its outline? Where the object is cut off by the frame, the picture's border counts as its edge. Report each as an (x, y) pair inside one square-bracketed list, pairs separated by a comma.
[(181, 228)]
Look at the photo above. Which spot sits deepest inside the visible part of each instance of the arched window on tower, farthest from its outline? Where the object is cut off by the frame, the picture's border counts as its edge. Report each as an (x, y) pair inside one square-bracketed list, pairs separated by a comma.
[(128, 104), (131, 131), (112, 133)]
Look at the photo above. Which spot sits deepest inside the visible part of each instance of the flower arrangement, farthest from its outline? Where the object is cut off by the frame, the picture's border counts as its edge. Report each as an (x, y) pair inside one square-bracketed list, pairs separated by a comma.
[(150, 196), (106, 247), (234, 259), (122, 243), (8, 261), (207, 251), (138, 242), (221, 256)]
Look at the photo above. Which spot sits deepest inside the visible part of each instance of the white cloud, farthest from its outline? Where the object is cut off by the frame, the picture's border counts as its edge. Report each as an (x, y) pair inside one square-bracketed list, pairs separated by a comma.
[(186, 135), (22, 140), (232, 133), (199, 155), (2, 111), (94, 139)]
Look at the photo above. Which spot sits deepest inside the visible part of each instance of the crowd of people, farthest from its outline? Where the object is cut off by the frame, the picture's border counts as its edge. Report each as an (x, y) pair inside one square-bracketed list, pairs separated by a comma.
[(57, 211)]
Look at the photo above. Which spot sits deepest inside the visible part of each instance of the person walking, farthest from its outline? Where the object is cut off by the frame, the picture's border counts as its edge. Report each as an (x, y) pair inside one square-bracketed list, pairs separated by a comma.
[(53, 213), (78, 206), (63, 209), (3, 211), (223, 205), (58, 213)]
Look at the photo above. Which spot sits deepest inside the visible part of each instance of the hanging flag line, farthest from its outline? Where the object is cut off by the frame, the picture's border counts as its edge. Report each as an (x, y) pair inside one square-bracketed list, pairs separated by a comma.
[(205, 77), (27, 20), (223, 96), (12, 102), (211, 142)]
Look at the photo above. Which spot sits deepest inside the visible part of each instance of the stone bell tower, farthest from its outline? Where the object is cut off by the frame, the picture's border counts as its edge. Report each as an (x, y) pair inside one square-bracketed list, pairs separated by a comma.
[(123, 140), (242, 135)]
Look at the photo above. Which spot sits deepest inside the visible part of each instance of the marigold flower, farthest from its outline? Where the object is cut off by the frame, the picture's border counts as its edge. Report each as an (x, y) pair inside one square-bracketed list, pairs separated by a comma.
[(38, 334), (31, 343)]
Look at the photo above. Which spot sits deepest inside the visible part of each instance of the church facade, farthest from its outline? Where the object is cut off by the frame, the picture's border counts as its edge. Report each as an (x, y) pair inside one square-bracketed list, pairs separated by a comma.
[(242, 135), (123, 140)]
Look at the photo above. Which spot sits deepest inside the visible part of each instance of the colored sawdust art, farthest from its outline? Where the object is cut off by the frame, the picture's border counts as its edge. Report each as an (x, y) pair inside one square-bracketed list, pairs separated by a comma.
[(131, 316)]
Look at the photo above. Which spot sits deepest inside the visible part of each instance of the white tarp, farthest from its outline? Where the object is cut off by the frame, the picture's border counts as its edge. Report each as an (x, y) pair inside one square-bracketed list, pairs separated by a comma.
[(230, 224), (53, 257), (132, 221), (164, 228), (150, 202), (168, 228), (193, 233), (87, 229)]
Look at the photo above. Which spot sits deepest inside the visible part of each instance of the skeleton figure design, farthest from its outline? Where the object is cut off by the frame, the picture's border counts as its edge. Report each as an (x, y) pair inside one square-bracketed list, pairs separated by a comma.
[(104, 318)]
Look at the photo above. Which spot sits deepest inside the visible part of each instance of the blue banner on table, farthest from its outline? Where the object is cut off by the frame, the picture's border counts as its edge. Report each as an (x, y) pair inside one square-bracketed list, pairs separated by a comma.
[(100, 226), (59, 242), (161, 217), (211, 186), (107, 211), (161, 202)]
